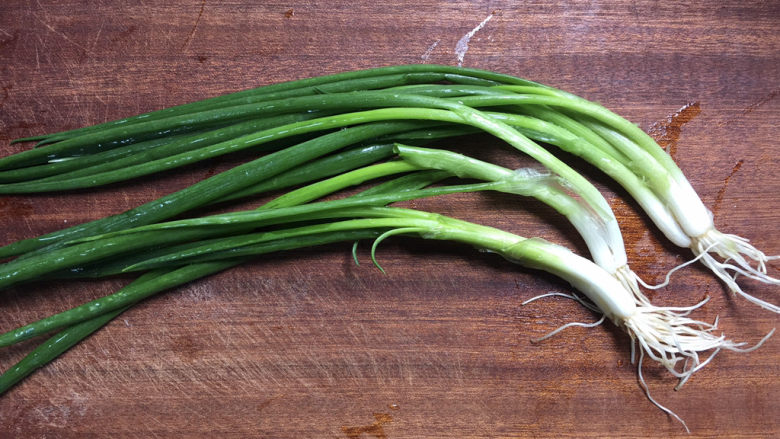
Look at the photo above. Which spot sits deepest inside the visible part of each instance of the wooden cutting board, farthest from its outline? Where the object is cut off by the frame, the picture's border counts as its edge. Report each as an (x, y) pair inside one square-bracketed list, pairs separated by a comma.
[(307, 344)]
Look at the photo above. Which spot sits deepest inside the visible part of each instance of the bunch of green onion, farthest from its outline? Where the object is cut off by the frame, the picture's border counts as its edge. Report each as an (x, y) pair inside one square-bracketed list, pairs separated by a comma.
[(321, 135)]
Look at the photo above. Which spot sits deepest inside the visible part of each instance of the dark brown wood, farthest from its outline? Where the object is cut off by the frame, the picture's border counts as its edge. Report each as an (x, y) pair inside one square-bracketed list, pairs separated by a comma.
[(309, 345)]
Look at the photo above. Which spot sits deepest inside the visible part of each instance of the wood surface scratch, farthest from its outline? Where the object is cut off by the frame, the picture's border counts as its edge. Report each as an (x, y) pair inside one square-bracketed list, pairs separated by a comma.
[(61, 34), (763, 100), (429, 50), (725, 185), (463, 43), (97, 35), (187, 41)]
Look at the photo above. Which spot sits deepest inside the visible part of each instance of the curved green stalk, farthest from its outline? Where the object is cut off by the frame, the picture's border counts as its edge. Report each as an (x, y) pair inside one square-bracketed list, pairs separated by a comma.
[(547, 188), (563, 121), (339, 182), (636, 185), (112, 136), (591, 109)]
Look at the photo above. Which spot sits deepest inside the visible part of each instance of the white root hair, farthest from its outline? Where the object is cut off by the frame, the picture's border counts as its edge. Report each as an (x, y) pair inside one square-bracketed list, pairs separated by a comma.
[(737, 252), (667, 335), (676, 341), (668, 338), (668, 276), (569, 325), (664, 334), (643, 384), (576, 298)]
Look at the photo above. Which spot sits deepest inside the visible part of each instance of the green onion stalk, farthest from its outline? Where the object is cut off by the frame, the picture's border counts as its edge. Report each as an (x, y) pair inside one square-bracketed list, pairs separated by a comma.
[(658, 184), (210, 128), (425, 108), (211, 246), (632, 158), (78, 323), (664, 334), (646, 324)]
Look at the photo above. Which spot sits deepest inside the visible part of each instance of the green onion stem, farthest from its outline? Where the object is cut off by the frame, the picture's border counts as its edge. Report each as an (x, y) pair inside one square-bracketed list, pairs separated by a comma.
[(313, 85)]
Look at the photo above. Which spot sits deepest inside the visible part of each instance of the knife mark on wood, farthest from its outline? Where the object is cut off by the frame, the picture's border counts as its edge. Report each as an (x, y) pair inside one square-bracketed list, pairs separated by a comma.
[(752, 107), (9, 41), (97, 35), (186, 44), (722, 191), (15, 207), (123, 35), (749, 109), (61, 34), (429, 50)]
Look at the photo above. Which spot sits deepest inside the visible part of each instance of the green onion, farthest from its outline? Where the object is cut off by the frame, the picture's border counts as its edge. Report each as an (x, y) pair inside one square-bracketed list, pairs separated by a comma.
[(339, 127), (302, 87), (213, 188), (664, 334), (91, 316)]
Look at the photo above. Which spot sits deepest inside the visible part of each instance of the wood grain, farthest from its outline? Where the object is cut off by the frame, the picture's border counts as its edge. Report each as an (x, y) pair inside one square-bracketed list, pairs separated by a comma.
[(307, 344)]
